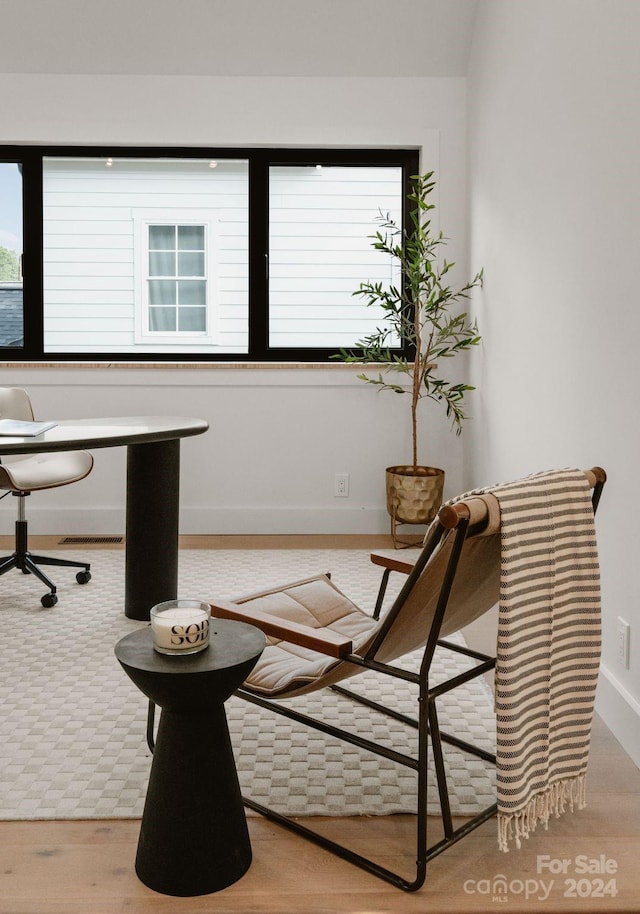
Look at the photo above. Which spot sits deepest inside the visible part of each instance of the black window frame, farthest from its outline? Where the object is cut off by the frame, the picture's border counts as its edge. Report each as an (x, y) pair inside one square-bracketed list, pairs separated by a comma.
[(260, 160)]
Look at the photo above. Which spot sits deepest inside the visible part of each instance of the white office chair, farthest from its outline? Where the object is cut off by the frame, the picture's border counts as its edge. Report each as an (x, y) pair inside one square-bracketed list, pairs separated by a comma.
[(21, 475)]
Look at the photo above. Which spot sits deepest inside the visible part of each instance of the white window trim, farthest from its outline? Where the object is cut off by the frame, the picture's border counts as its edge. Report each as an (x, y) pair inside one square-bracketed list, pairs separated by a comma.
[(142, 219)]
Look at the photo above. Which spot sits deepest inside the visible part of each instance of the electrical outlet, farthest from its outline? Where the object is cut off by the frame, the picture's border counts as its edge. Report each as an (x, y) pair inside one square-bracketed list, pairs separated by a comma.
[(341, 485), (623, 634)]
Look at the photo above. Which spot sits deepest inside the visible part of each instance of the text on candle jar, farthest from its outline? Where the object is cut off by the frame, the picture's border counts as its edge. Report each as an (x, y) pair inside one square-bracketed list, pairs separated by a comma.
[(195, 633)]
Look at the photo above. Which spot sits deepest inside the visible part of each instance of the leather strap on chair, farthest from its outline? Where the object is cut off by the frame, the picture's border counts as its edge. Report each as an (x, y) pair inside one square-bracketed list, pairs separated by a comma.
[(482, 509)]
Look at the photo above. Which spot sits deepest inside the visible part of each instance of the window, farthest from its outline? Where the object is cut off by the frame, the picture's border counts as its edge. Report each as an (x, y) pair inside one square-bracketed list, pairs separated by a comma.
[(177, 280), (174, 293), (320, 223), (11, 298), (145, 257), (140, 254)]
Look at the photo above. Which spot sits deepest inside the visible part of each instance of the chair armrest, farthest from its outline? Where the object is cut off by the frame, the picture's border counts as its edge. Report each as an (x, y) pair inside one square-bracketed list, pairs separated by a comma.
[(392, 563), (323, 640), (389, 563)]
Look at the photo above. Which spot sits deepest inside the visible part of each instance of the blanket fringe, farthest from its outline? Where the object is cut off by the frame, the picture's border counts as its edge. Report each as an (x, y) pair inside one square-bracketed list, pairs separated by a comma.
[(552, 801)]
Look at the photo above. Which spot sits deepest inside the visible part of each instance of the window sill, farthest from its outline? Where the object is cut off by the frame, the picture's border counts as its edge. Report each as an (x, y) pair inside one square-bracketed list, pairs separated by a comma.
[(191, 366)]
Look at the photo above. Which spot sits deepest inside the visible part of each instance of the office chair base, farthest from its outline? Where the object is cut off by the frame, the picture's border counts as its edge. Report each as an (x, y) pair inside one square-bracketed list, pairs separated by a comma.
[(27, 563)]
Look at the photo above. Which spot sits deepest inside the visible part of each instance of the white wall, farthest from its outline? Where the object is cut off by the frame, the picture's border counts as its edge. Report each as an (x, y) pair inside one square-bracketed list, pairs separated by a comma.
[(299, 425), (237, 37), (555, 221)]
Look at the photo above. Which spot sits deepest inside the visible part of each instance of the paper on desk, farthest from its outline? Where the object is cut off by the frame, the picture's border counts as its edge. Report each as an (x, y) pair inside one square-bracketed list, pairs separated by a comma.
[(19, 428)]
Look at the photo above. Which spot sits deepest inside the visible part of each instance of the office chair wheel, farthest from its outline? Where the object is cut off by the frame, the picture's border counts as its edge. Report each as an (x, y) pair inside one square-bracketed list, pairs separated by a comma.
[(49, 600), (83, 577)]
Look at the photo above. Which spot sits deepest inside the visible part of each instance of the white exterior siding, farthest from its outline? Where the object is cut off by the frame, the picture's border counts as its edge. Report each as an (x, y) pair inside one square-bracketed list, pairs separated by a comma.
[(90, 288), (321, 221)]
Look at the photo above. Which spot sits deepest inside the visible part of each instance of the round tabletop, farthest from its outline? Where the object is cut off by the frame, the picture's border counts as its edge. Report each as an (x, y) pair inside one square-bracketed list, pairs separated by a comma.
[(230, 644), (192, 683), (71, 434)]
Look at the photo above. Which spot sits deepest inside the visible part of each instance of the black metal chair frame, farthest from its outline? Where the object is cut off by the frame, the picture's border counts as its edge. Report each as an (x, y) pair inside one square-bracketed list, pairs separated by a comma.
[(426, 724)]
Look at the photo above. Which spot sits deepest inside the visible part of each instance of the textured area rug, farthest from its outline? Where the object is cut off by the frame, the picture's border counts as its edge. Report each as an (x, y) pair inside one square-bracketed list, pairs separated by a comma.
[(72, 725)]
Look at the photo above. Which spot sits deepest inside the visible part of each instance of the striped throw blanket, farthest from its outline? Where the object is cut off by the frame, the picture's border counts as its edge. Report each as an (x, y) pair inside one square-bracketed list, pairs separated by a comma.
[(548, 648)]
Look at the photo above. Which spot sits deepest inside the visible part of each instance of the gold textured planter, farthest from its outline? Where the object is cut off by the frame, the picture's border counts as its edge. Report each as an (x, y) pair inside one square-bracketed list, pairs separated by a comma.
[(414, 495)]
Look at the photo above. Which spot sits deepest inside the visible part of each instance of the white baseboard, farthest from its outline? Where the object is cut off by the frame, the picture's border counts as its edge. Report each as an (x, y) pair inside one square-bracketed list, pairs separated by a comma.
[(620, 711), (223, 521), (277, 520), (70, 521)]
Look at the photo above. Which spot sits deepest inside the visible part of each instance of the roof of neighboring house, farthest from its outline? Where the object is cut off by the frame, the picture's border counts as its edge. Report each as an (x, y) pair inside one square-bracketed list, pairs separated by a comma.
[(11, 324)]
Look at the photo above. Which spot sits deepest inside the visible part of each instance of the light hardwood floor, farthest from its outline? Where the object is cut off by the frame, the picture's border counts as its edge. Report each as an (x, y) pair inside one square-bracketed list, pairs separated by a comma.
[(87, 867)]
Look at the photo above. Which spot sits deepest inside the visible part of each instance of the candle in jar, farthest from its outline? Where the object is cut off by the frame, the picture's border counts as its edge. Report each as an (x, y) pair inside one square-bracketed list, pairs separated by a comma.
[(180, 626)]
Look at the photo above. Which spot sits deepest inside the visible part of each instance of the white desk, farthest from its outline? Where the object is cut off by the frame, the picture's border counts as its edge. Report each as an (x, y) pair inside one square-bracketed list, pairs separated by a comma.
[(153, 486)]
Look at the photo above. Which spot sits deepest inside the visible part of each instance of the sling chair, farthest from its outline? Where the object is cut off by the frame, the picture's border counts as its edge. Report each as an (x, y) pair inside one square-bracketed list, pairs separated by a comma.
[(318, 637)]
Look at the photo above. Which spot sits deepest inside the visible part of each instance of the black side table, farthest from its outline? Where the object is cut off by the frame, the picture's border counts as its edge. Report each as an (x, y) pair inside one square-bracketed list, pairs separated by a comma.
[(194, 837)]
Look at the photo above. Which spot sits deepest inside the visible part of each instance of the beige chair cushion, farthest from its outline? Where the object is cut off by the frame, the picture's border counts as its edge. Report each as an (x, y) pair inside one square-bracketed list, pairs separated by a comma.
[(316, 602), (28, 473), (286, 669), (44, 471)]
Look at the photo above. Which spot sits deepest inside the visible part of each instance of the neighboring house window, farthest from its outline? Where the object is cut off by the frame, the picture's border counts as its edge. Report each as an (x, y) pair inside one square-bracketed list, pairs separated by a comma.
[(204, 254), (173, 262), (177, 283)]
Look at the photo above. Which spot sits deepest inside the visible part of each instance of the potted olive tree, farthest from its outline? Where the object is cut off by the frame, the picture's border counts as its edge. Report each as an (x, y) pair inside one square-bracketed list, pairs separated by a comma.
[(423, 325)]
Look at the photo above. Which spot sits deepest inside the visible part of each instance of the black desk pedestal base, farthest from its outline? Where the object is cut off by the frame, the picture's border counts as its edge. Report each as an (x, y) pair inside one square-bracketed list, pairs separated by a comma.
[(153, 485), (194, 838)]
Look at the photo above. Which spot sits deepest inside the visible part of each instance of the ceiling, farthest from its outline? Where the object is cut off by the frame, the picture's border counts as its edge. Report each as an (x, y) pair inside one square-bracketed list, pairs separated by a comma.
[(343, 38)]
